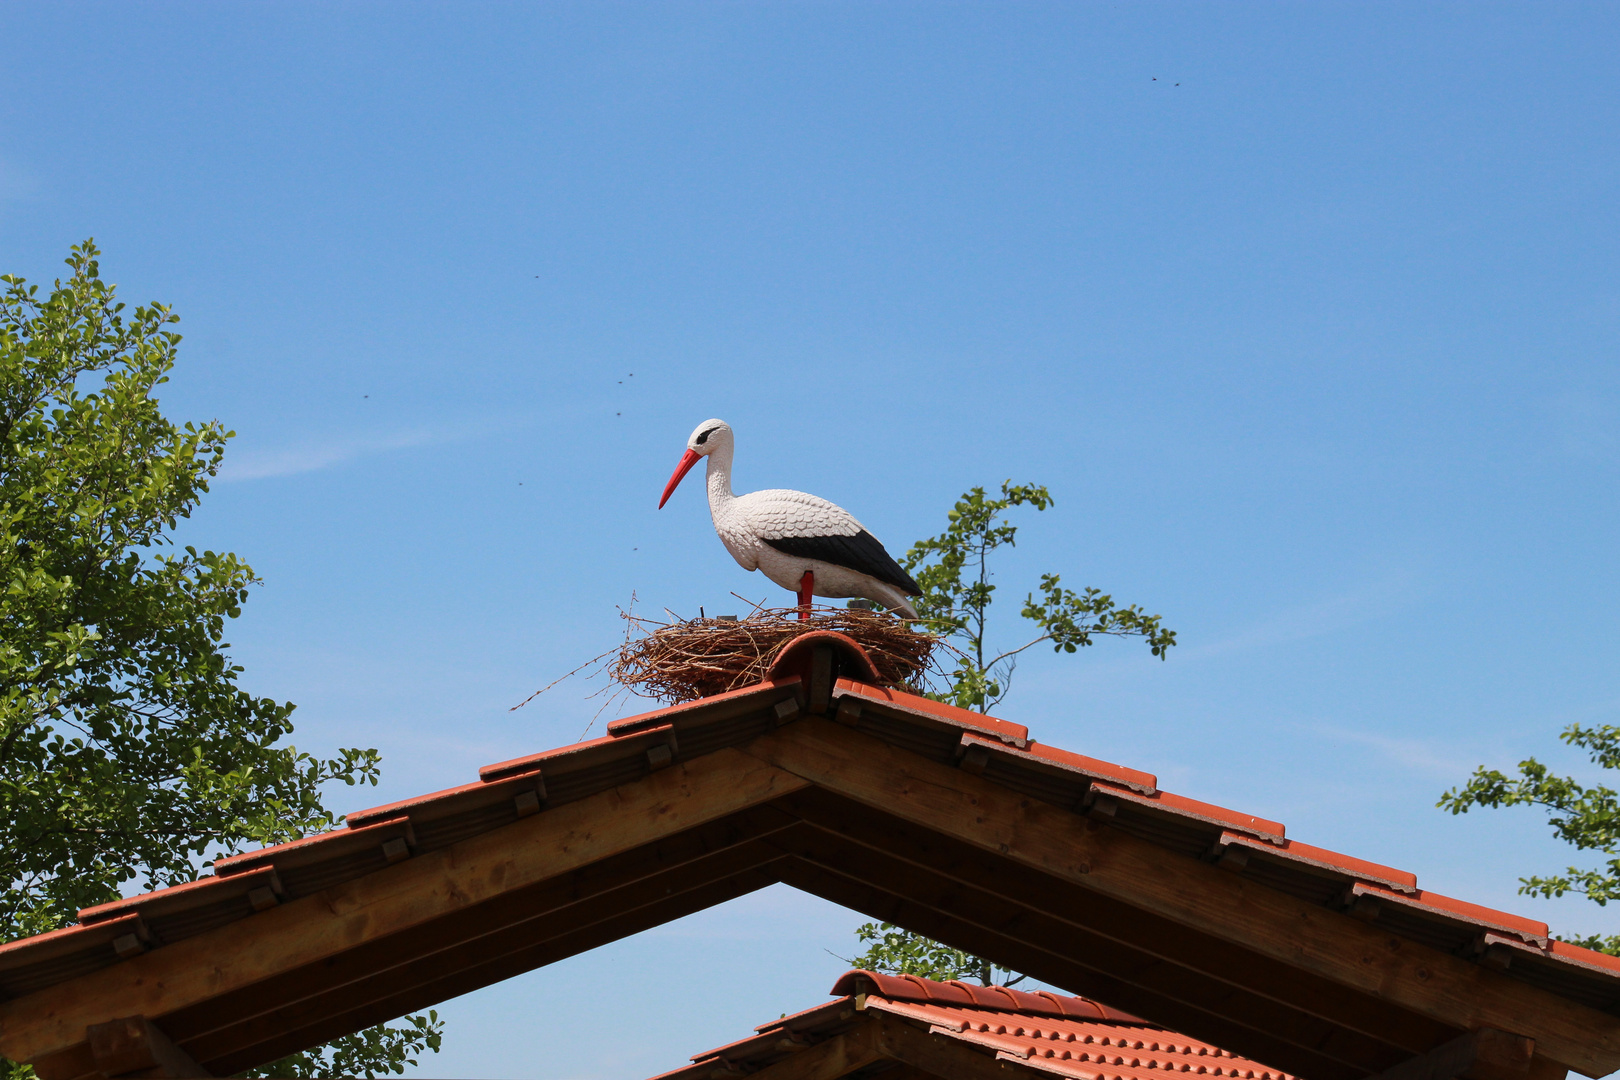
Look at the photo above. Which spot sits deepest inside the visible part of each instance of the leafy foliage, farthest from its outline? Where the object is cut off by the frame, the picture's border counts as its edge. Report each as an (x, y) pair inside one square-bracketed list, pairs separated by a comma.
[(127, 750), (953, 570), (900, 952), (1588, 818), (376, 1051)]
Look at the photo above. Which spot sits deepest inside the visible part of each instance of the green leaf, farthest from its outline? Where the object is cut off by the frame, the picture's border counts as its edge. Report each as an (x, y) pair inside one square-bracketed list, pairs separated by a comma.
[(128, 751)]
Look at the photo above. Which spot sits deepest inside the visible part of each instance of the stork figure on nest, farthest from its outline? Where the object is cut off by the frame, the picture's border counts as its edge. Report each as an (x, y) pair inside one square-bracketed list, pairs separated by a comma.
[(803, 543)]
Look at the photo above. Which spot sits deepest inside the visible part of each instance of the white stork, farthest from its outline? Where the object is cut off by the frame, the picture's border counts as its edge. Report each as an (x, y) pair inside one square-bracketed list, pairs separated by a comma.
[(801, 542)]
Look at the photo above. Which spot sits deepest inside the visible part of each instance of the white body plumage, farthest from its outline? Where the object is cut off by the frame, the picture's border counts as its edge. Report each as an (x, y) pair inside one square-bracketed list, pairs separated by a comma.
[(785, 534)]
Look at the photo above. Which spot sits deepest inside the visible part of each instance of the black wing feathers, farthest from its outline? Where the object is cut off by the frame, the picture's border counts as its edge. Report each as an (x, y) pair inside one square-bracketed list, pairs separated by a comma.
[(860, 552)]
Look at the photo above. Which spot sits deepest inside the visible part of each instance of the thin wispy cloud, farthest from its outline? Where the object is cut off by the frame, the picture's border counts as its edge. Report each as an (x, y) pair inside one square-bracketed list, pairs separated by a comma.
[(1417, 755), (314, 455), (1371, 601), (317, 453)]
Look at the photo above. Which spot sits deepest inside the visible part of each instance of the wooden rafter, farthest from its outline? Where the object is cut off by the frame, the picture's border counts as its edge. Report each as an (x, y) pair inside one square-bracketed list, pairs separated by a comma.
[(219, 977), (1269, 924), (1030, 884)]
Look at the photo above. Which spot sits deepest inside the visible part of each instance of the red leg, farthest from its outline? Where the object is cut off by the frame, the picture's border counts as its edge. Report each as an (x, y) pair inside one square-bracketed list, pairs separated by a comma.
[(807, 589)]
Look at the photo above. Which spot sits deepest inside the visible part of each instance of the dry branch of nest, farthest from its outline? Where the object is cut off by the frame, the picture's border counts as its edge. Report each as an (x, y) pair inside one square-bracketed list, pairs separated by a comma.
[(681, 661)]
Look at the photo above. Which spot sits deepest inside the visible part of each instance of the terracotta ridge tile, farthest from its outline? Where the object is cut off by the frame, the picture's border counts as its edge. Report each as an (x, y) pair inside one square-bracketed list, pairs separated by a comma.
[(1005, 730), (608, 745), (787, 1021), (373, 832), (185, 895), (67, 939), (1294, 850), (1127, 775), (629, 725), (1563, 950), (1531, 930), (1271, 831)]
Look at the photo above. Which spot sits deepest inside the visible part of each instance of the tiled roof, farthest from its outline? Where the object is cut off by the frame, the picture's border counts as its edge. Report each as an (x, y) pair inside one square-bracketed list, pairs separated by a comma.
[(1000, 751), (1044, 1032), (1002, 754)]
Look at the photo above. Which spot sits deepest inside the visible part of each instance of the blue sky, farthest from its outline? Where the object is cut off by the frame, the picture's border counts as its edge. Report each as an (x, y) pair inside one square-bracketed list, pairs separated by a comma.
[(1307, 315)]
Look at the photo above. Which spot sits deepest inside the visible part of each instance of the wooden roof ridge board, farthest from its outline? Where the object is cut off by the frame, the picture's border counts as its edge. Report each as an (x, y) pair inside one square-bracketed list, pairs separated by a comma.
[(1177, 909), (1035, 1033)]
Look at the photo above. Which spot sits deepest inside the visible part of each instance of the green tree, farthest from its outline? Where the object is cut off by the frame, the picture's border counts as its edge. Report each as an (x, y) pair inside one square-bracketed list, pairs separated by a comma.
[(127, 750), (954, 571), (901, 952), (1588, 818)]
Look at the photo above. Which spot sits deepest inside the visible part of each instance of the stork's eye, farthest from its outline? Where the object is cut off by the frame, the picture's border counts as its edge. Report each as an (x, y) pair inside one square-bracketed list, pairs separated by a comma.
[(703, 438)]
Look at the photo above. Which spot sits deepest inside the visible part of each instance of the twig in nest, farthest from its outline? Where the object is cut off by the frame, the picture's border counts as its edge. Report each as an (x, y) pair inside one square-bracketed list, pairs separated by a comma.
[(679, 661)]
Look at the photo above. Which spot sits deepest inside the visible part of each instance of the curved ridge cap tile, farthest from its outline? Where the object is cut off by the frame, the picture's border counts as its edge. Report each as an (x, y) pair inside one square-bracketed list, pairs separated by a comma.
[(1531, 930), (1349, 865), (789, 653), (1005, 730), (629, 725), (848, 982), (914, 988), (1591, 958), (1271, 831)]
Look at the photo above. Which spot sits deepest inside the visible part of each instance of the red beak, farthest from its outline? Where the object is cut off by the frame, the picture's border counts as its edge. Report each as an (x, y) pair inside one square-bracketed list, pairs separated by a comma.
[(688, 459)]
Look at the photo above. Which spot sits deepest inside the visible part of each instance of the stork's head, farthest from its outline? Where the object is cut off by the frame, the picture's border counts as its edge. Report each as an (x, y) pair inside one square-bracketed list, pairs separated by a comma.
[(707, 437)]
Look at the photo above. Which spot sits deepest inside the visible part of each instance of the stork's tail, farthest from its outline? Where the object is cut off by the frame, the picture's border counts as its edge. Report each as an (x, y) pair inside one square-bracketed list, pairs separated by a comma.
[(892, 598)]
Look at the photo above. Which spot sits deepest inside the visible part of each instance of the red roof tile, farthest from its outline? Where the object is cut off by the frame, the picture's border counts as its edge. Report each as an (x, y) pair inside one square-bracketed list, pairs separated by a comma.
[(926, 708), (971, 995), (1431, 903), (583, 754), (1047, 1032), (322, 846), (1332, 861), (673, 714), (1179, 805), (1145, 783), (180, 897), (1002, 751)]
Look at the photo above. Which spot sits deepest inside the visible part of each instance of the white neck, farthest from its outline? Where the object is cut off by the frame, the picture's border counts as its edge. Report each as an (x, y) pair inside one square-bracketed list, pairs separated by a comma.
[(719, 479)]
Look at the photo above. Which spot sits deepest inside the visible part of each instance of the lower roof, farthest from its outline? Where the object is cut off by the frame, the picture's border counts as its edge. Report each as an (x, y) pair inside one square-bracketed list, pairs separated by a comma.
[(1040, 1034)]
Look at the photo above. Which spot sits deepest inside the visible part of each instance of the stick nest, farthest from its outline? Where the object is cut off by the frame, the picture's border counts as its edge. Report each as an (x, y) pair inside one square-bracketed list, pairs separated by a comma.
[(682, 661)]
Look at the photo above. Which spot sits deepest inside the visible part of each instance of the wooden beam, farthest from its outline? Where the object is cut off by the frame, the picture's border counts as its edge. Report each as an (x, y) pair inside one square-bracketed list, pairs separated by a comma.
[(1482, 1054), (868, 899), (372, 1005), (1145, 952), (829, 1059), (941, 1055), (469, 941), (134, 1046), (328, 924), (1270, 923), (987, 925)]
